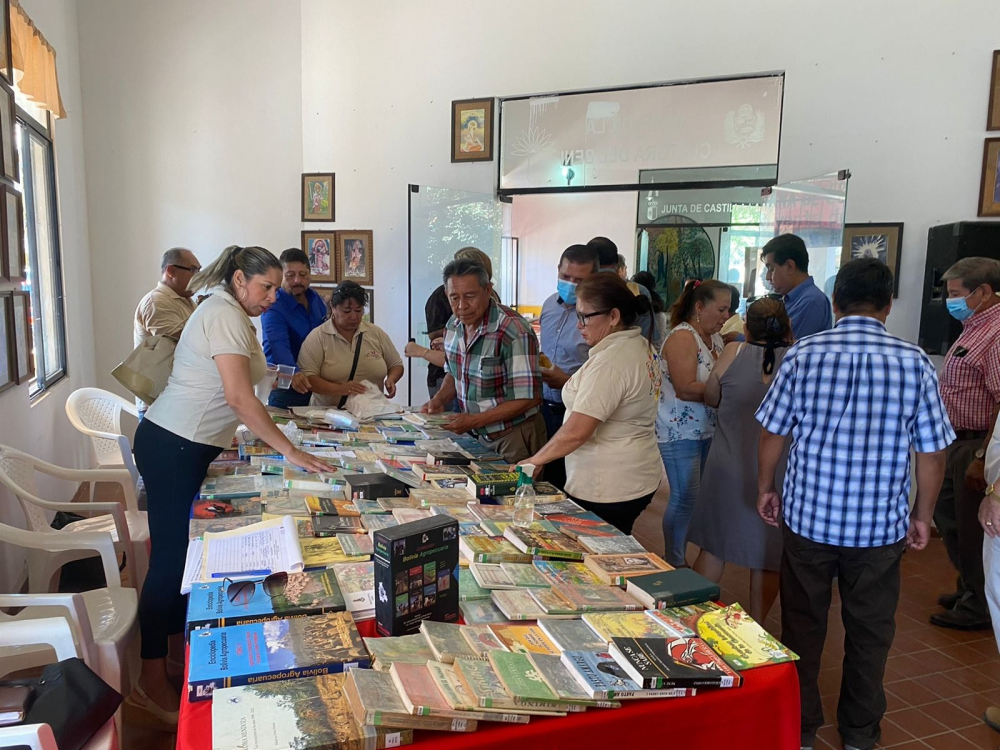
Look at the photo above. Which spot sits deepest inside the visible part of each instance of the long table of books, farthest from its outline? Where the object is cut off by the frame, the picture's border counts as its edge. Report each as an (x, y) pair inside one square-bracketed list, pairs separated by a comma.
[(401, 604)]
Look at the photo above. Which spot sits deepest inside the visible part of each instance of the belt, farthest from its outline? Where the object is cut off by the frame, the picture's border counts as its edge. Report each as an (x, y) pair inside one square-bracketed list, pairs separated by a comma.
[(557, 404), (970, 434)]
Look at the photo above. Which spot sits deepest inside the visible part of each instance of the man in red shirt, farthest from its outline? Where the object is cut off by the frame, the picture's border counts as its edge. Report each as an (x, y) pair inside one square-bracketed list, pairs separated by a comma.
[(970, 389)]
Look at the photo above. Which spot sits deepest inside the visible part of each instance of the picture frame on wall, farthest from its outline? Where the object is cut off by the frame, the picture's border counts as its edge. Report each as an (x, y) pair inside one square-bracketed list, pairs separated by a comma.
[(7, 375), (22, 349), (989, 185), (355, 256), (881, 241), (8, 152), (993, 112), (320, 247), (318, 196), (6, 52), (472, 130), (12, 228)]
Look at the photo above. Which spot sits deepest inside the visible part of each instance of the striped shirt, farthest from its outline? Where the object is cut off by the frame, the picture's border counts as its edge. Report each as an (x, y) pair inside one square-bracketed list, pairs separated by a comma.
[(970, 379), (499, 364), (856, 400)]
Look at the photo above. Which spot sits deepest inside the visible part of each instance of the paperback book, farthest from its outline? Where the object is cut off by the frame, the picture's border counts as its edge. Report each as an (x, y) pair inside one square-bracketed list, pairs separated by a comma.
[(457, 695), (521, 679), (468, 588), (596, 598), (566, 572), (485, 686), (572, 635), (673, 662), (484, 549), (223, 488), (611, 545), (355, 544), (546, 544), (490, 576), (357, 584), (524, 639), (410, 649), (611, 625), (481, 612), (740, 640), (480, 639), (446, 641), (321, 552), (325, 526), (517, 604), (602, 678), (523, 575), (559, 680), (426, 497), (685, 617), (409, 515), (615, 570), (375, 702)]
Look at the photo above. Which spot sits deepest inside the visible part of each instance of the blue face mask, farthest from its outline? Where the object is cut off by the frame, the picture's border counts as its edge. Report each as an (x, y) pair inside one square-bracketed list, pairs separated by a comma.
[(958, 308), (567, 291)]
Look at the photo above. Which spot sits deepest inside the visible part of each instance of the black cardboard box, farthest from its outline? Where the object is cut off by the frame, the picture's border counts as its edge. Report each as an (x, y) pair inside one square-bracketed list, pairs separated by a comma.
[(374, 486), (416, 575)]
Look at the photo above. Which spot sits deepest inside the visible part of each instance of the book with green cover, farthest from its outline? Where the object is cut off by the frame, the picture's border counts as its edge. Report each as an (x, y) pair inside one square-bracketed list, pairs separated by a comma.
[(489, 550), (221, 488), (553, 605), (517, 604), (446, 642), (355, 544), (375, 702), (524, 576), (561, 682), (468, 589), (572, 635), (672, 588), (482, 486), (483, 684), (611, 545), (520, 678), (596, 598), (457, 695), (490, 576), (311, 713), (566, 572), (547, 544), (411, 649), (481, 612), (740, 640), (610, 625)]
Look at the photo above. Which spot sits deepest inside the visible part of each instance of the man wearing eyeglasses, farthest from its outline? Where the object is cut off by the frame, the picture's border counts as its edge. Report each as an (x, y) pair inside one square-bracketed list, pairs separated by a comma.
[(165, 310)]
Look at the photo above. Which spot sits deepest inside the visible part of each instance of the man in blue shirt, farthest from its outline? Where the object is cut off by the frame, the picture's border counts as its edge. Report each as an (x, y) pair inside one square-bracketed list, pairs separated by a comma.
[(787, 262), (297, 309), (856, 401), (607, 252)]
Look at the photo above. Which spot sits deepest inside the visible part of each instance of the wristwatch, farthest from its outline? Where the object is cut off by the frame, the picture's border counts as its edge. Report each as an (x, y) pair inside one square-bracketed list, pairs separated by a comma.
[(980, 453)]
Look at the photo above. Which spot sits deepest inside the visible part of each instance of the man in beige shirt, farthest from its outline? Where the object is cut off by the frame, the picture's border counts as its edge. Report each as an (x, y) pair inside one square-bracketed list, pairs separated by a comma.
[(165, 310)]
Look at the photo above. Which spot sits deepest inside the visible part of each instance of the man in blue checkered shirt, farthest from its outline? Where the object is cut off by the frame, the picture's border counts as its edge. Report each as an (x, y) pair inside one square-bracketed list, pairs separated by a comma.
[(856, 401)]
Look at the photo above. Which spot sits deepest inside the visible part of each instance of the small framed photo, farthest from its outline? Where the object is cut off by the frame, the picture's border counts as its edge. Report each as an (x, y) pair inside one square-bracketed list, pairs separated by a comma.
[(993, 115), (22, 353), (8, 153), (318, 196), (319, 246), (7, 374), (472, 130), (880, 241), (989, 186), (12, 226), (354, 257), (6, 58)]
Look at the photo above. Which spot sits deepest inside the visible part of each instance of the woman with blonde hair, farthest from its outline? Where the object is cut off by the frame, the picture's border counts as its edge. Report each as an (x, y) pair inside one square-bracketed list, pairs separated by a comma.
[(217, 362)]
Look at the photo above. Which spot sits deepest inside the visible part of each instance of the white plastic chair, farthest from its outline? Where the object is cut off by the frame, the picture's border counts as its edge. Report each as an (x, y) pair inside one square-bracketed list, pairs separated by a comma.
[(56, 633), (128, 526), (104, 621), (97, 413)]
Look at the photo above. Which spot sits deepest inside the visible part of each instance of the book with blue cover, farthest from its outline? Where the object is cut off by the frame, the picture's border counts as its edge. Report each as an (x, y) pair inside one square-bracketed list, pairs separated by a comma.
[(312, 592), (273, 650)]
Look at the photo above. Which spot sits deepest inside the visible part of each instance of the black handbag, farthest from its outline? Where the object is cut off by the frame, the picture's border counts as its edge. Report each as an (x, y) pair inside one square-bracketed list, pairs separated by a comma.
[(71, 699)]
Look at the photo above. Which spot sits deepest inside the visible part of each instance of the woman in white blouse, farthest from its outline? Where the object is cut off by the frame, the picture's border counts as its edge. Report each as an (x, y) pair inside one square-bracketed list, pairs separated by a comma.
[(217, 362)]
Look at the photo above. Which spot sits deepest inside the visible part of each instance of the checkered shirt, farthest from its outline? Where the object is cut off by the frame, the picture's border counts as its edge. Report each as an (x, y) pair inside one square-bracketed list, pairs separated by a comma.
[(855, 400), (970, 378), (500, 364)]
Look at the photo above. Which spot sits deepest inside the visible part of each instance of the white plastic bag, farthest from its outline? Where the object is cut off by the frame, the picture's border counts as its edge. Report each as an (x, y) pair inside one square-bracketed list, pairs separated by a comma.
[(340, 418), (371, 403)]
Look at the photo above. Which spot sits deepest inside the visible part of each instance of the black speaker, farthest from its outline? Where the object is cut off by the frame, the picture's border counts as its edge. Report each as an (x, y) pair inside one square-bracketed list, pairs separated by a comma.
[(946, 244)]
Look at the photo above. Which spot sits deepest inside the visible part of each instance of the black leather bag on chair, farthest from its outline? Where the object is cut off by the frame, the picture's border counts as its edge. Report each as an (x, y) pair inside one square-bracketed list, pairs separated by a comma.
[(71, 699)]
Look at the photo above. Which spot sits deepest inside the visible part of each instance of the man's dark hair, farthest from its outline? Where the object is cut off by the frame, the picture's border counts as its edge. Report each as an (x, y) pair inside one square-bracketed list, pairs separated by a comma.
[(607, 251), (294, 255), (466, 268), (646, 279), (172, 257), (787, 247), (734, 300), (581, 254), (863, 285)]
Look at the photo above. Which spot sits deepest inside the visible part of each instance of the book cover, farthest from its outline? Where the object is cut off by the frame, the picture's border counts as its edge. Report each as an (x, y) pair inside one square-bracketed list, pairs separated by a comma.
[(524, 575), (601, 677), (740, 640), (325, 551), (615, 570), (200, 526), (459, 512), (492, 485), (373, 486), (426, 497), (410, 649), (486, 549), (673, 662), (375, 702), (483, 683), (523, 638), (520, 678), (596, 598), (324, 526), (373, 522), (610, 625), (450, 483), (687, 616), (556, 506), (329, 506), (559, 680), (409, 515), (221, 488), (357, 584), (416, 574), (572, 635), (547, 544), (480, 639), (355, 544), (552, 605), (566, 572), (417, 689), (449, 458), (307, 714), (490, 576), (517, 604), (272, 650), (389, 504), (427, 472), (504, 513), (284, 503), (446, 642), (309, 593), (457, 695), (481, 612), (672, 588), (468, 588), (610, 545), (369, 506), (575, 531)]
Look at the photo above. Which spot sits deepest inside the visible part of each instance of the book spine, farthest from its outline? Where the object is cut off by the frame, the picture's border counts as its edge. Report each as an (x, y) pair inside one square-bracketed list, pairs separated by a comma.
[(201, 690), (542, 553), (664, 693), (691, 597)]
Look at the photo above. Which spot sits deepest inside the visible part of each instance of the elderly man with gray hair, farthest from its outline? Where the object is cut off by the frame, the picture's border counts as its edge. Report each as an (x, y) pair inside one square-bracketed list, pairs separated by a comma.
[(165, 310), (970, 389)]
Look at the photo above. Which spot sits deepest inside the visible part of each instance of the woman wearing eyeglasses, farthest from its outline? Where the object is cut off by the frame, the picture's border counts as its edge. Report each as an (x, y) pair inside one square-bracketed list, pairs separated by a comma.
[(607, 436), (684, 422), (725, 524)]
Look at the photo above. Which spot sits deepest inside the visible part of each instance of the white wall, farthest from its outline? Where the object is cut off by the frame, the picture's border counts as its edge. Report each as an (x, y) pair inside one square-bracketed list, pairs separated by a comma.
[(546, 224), (193, 134), (41, 428)]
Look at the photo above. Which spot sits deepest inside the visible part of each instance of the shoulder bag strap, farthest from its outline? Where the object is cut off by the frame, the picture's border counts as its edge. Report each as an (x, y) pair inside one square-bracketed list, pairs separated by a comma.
[(354, 367)]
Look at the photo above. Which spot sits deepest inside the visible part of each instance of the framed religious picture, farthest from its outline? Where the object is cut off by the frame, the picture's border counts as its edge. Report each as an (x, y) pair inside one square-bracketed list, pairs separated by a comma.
[(993, 115), (989, 186), (6, 60), (318, 196), (12, 225), (881, 241), (8, 153), (354, 256), (319, 246), (22, 352), (7, 375), (472, 130)]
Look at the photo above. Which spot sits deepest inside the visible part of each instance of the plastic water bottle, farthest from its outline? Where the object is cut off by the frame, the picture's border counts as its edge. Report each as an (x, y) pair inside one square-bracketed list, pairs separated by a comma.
[(524, 502)]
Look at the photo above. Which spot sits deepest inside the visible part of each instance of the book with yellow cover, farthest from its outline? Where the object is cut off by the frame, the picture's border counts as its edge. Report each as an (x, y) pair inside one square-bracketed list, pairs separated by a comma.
[(740, 640), (524, 639), (610, 625)]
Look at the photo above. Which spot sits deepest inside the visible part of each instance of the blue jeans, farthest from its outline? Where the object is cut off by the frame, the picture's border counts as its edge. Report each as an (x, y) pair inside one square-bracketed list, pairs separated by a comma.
[(684, 461)]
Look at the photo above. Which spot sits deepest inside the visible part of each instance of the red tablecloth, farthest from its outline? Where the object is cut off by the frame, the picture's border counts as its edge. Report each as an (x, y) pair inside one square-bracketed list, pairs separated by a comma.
[(761, 715)]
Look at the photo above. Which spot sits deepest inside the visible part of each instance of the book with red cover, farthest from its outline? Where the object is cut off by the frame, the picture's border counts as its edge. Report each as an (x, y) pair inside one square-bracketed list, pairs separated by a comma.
[(673, 662)]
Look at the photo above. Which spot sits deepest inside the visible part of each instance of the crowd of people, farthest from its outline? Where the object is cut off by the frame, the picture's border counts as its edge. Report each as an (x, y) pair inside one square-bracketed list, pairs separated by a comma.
[(785, 438)]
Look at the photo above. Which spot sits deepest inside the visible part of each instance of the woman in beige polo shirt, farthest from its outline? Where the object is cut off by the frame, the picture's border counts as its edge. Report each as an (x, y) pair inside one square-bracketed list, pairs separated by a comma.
[(210, 391), (607, 436), (328, 353)]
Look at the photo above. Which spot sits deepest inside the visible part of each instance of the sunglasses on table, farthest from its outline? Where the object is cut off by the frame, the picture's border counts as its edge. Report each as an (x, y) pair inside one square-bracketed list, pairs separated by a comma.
[(243, 591)]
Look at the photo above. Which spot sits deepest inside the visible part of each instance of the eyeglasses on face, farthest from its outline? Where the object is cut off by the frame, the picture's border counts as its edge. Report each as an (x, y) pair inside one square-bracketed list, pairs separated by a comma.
[(189, 269), (241, 592), (584, 317)]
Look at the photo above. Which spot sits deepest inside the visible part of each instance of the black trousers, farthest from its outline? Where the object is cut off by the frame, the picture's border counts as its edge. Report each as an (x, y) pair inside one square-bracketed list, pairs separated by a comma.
[(868, 579), (285, 398), (621, 515), (553, 413), (172, 469)]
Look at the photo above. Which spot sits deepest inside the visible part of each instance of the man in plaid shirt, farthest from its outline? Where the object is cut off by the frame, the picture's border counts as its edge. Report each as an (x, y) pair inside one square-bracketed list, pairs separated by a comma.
[(856, 400), (491, 361)]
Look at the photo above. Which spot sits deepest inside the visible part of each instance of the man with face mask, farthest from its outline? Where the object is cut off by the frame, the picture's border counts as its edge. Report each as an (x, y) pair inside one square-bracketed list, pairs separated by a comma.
[(562, 342), (970, 389)]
